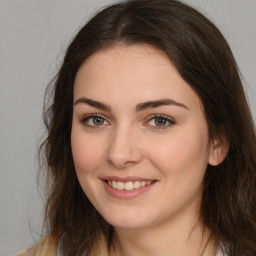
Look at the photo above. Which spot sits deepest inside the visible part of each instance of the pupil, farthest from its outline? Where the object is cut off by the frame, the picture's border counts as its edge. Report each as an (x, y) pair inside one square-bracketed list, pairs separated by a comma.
[(97, 120), (160, 121)]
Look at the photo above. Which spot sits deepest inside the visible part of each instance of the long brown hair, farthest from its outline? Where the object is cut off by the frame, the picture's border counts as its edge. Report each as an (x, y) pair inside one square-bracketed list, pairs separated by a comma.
[(204, 60)]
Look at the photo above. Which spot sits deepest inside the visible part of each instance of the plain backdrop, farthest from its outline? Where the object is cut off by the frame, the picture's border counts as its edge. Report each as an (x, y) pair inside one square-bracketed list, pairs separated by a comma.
[(33, 37)]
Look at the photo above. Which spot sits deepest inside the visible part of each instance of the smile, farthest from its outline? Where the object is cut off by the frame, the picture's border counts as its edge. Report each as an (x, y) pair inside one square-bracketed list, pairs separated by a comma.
[(128, 185)]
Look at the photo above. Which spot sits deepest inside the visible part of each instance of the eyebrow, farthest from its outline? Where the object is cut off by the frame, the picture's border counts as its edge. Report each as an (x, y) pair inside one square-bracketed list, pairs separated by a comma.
[(93, 103), (139, 107), (158, 103)]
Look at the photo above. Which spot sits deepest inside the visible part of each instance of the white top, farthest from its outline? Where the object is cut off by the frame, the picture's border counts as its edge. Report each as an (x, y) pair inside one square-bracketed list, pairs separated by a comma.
[(59, 250)]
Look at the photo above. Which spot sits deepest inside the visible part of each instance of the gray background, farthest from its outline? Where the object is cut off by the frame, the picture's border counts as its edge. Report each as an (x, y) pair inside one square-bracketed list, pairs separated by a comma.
[(33, 36)]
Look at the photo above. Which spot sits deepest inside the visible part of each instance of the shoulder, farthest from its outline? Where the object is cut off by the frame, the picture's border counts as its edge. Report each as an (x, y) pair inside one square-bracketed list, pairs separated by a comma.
[(46, 247)]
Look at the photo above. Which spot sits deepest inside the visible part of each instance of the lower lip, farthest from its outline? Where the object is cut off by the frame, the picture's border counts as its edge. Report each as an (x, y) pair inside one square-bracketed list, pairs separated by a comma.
[(127, 194)]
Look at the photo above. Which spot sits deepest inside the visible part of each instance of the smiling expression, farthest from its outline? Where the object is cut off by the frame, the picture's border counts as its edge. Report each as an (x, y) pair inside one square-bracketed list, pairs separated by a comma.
[(140, 141)]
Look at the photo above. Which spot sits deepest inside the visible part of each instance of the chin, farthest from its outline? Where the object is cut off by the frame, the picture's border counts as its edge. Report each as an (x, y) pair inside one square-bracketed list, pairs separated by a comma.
[(128, 224), (128, 220)]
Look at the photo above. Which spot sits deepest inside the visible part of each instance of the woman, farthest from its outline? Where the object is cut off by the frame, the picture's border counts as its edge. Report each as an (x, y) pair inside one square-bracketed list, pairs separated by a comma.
[(151, 144)]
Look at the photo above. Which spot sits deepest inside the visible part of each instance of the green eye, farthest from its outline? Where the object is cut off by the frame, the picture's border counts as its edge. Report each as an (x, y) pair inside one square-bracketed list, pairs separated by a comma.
[(160, 121), (97, 120), (94, 121)]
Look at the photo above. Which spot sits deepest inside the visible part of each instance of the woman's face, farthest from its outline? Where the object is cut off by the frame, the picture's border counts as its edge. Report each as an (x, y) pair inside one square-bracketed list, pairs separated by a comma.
[(139, 137)]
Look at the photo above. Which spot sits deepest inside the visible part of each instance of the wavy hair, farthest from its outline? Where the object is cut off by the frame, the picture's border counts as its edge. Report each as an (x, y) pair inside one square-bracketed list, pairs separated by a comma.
[(204, 60)]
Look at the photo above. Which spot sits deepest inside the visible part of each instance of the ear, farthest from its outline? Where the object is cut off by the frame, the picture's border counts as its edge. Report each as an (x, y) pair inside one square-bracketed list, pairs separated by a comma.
[(218, 150)]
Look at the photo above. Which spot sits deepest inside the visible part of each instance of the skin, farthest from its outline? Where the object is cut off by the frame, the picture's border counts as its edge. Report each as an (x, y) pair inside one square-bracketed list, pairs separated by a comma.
[(128, 141)]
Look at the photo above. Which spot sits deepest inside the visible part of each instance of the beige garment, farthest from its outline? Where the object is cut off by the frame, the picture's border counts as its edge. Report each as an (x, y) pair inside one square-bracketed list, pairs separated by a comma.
[(210, 249), (47, 247)]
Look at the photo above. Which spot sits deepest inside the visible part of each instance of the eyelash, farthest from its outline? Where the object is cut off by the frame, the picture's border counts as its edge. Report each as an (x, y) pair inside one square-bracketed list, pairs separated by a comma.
[(85, 120), (166, 119)]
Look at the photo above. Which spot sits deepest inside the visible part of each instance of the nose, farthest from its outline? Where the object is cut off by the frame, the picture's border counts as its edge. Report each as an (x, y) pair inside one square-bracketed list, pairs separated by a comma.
[(124, 147)]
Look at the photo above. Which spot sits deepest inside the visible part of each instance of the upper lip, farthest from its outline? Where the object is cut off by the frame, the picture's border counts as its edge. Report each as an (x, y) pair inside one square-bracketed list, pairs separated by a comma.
[(125, 179)]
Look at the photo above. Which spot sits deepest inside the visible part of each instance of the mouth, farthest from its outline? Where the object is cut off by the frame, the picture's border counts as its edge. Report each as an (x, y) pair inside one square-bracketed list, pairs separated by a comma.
[(128, 185)]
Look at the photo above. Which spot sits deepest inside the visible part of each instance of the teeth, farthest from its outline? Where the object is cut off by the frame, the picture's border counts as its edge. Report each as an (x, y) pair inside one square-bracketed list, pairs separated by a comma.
[(114, 185), (120, 185), (129, 185), (137, 184), (143, 183)]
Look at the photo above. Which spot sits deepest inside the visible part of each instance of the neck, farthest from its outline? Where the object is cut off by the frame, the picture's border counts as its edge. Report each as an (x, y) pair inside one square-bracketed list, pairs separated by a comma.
[(177, 238)]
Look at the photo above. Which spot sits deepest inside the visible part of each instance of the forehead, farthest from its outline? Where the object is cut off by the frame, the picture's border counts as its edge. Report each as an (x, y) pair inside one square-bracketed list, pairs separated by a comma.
[(131, 52), (117, 58), (140, 71)]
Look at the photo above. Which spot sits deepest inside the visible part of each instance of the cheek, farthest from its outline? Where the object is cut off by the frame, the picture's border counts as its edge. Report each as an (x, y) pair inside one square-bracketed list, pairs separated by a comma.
[(87, 156), (87, 153), (183, 153)]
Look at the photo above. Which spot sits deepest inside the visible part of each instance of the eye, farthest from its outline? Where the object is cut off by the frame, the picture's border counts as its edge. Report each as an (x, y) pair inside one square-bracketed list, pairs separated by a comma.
[(160, 121), (94, 121)]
